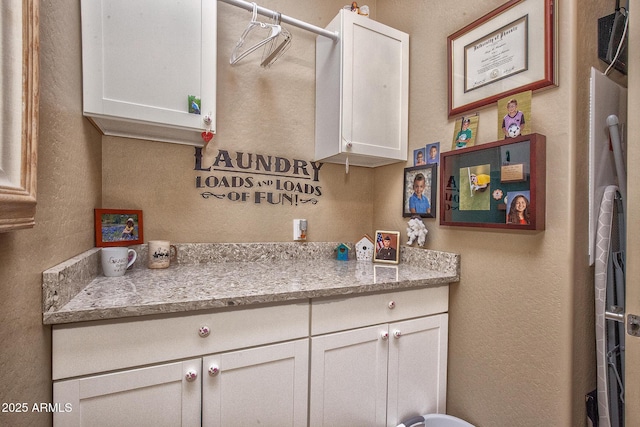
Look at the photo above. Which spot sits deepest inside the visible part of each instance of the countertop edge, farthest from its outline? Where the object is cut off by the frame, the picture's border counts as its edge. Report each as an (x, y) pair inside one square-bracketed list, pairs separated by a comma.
[(194, 306), (62, 282)]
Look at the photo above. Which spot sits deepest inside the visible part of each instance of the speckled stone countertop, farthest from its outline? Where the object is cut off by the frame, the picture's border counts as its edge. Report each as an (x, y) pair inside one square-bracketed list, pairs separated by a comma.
[(219, 275)]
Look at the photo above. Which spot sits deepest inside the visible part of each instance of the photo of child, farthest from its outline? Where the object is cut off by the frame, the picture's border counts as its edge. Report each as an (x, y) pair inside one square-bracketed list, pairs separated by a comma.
[(516, 121), (433, 153), (419, 157), (418, 202), (518, 208), (129, 229), (114, 226), (465, 130), (474, 183), (419, 191), (513, 121)]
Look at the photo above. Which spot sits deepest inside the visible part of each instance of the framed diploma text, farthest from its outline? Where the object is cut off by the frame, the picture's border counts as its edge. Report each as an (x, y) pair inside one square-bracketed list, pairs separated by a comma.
[(512, 49)]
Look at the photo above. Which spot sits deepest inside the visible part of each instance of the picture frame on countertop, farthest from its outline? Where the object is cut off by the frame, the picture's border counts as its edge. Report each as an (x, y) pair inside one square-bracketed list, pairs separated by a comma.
[(387, 249), (509, 50), (118, 227), (419, 192)]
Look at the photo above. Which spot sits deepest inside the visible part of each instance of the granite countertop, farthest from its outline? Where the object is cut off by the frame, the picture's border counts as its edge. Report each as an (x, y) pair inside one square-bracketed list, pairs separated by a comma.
[(224, 275)]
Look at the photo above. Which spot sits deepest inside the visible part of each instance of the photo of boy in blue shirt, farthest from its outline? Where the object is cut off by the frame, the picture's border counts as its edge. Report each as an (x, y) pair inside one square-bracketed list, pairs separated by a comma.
[(418, 203)]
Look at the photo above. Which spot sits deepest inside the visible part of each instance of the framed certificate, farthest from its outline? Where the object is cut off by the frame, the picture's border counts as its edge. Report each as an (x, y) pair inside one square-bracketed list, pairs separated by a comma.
[(512, 49)]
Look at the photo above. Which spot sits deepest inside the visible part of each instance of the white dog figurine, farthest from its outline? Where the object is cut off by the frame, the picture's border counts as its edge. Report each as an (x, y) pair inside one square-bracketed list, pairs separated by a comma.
[(416, 230)]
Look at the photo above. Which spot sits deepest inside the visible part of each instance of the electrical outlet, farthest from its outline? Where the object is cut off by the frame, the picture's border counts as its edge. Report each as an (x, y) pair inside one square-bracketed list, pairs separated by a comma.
[(299, 229)]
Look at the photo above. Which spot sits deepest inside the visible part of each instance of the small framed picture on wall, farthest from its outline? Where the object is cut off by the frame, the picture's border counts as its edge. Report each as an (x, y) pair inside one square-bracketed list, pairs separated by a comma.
[(433, 153), (419, 194), (419, 157)]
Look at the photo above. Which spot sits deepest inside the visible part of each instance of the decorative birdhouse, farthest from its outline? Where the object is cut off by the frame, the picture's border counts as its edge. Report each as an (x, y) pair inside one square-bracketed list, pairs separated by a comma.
[(365, 248), (342, 252)]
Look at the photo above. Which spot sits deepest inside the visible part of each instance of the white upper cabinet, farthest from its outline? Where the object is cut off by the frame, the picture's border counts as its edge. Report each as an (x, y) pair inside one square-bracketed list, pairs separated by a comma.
[(362, 93), (143, 60)]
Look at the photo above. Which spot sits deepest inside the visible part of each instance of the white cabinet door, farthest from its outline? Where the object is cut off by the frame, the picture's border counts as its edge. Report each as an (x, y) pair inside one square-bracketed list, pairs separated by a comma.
[(379, 375), (153, 396), (264, 385), (362, 93), (141, 62), (349, 378), (417, 368)]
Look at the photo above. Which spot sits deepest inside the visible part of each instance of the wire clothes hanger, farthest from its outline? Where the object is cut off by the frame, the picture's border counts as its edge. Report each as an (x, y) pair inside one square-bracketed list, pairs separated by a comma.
[(333, 35), (272, 52), (274, 30)]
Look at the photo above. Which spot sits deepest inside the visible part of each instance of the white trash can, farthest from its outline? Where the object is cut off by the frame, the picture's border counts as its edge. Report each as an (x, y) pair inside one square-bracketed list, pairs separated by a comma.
[(436, 420)]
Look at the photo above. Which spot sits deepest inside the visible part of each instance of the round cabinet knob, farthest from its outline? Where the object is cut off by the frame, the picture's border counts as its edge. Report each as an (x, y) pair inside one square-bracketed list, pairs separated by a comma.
[(191, 375), (392, 305), (214, 370), (204, 331), (384, 335), (397, 334)]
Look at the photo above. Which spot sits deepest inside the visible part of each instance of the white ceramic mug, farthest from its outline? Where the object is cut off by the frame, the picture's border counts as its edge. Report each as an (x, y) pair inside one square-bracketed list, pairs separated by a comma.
[(116, 260), (160, 253)]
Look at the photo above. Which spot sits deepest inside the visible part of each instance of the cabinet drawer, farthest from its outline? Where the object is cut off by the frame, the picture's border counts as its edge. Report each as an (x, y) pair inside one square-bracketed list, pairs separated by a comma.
[(335, 314), (82, 349)]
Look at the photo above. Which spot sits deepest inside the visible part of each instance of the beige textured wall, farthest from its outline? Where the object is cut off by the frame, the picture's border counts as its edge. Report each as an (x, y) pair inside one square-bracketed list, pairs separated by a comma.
[(510, 353), (521, 350), (521, 319), (68, 190), (264, 111)]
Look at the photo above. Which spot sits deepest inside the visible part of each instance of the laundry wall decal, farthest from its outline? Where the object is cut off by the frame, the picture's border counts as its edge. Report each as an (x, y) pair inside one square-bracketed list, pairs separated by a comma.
[(257, 178)]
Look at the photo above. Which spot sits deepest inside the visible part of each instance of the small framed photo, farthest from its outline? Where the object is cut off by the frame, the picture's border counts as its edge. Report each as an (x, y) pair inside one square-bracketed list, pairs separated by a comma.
[(419, 157), (118, 227), (465, 132), (519, 207), (433, 153), (514, 115), (419, 194), (387, 247)]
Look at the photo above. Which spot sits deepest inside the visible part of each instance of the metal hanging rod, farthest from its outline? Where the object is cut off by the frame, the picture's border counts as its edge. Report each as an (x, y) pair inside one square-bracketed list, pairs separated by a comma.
[(284, 18)]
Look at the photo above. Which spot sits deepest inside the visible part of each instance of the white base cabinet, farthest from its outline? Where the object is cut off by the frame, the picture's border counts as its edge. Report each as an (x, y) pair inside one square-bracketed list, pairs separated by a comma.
[(349, 378), (264, 386), (417, 368), (379, 375), (153, 396), (105, 368), (364, 360)]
